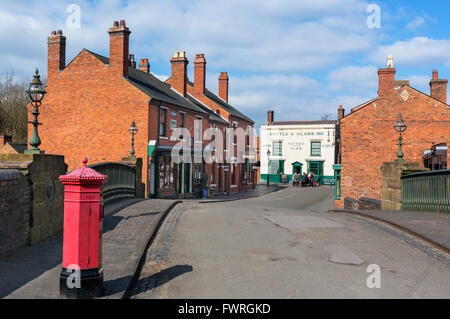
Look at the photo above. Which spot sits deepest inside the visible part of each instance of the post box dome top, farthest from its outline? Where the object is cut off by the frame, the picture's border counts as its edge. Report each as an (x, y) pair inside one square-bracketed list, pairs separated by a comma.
[(84, 175)]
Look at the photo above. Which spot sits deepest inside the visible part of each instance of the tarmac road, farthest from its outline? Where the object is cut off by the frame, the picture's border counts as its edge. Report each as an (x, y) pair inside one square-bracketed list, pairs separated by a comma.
[(284, 245)]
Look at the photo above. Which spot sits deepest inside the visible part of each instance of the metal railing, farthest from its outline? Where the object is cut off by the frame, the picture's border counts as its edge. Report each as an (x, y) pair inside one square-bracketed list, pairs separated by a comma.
[(121, 181), (427, 192)]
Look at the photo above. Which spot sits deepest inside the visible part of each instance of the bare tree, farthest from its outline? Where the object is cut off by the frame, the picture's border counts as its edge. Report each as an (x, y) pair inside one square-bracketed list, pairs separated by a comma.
[(326, 116), (13, 107)]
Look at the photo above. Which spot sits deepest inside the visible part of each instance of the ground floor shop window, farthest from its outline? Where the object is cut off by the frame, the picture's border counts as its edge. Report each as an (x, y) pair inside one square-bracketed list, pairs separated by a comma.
[(166, 173), (276, 167), (246, 172)]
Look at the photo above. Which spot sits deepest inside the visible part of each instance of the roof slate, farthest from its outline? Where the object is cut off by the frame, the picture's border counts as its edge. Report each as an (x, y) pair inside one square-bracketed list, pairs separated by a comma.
[(155, 88), (224, 104)]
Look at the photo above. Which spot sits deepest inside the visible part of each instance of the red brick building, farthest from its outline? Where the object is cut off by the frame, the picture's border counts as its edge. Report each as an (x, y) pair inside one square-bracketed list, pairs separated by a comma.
[(225, 177), (92, 101), (367, 137)]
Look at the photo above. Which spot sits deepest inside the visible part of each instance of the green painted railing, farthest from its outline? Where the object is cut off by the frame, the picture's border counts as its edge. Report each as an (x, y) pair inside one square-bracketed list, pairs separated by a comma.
[(121, 181), (427, 192)]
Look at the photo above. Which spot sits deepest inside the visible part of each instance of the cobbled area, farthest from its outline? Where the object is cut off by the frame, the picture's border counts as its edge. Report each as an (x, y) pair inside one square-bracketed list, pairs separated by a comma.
[(150, 279)]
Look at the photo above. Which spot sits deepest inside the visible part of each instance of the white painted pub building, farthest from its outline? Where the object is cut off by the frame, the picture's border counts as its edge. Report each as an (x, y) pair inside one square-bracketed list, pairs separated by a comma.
[(302, 146)]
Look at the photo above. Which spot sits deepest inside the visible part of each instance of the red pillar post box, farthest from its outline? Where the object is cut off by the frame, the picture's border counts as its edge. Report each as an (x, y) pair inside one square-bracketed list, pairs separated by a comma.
[(82, 272)]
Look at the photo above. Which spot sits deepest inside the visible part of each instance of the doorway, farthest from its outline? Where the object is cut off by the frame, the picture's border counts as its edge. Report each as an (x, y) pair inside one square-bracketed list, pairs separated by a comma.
[(297, 167)]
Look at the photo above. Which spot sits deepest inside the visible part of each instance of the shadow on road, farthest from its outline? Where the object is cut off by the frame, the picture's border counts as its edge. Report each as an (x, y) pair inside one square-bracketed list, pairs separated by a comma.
[(160, 278)]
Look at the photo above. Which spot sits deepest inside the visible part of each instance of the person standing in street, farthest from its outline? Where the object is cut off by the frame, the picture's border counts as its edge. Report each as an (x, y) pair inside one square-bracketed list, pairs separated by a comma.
[(204, 184)]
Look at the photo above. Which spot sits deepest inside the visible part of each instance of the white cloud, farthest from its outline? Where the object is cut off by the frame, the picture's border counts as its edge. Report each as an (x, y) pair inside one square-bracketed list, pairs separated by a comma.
[(354, 79), (416, 23), (418, 51)]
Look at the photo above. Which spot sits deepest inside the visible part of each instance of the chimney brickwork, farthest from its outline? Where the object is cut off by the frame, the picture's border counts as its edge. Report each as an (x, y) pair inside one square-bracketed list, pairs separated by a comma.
[(223, 86), (179, 72), (119, 48), (438, 87), (56, 58)]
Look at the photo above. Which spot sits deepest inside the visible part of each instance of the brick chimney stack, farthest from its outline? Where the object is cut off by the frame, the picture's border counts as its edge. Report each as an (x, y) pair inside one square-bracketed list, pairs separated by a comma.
[(223, 86), (438, 87), (5, 139), (341, 112), (270, 117), (386, 78), (179, 72), (119, 36), (56, 58), (144, 66), (199, 73)]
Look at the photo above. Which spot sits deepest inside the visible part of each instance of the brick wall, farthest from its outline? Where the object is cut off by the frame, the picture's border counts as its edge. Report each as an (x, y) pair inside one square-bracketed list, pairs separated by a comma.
[(47, 198), (15, 208), (369, 139), (86, 112)]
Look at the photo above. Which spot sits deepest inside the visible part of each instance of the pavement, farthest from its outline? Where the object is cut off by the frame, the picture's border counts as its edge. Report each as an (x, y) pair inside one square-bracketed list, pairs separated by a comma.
[(433, 228), (286, 244), (128, 227)]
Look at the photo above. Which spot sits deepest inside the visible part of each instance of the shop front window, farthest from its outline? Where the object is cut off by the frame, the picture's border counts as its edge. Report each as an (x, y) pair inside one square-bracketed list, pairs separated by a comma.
[(166, 173)]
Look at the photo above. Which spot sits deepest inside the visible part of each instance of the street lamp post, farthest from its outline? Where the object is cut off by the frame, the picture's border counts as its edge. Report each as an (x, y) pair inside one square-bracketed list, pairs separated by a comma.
[(268, 167), (36, 92), (133, 130), (400, 127)]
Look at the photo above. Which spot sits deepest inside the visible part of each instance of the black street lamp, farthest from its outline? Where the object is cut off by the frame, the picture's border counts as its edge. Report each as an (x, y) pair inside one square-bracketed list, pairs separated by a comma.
[(133, 130), (36, 92), (400, 127), (268, 167)]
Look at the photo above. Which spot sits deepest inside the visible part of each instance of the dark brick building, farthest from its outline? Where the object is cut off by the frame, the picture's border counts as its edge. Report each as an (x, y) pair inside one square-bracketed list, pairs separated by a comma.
[(367, 137)]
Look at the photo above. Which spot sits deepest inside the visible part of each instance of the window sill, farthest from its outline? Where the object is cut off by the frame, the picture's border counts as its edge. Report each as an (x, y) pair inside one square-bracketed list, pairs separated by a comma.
[(164, 137)]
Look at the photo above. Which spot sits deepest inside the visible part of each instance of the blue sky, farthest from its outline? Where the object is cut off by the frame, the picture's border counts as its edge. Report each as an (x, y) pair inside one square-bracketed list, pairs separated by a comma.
[(300, 58)]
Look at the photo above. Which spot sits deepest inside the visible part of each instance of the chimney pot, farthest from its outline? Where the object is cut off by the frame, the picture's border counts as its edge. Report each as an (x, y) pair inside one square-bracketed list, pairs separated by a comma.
[(116, 23), (438, 87), (270, 117), (122, 23), (60, 32), (144, 66), (435, 74), (53, 32)]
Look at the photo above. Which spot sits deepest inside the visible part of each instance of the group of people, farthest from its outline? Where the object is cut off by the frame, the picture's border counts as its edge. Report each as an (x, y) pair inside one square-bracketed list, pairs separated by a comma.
[(306, 180)]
